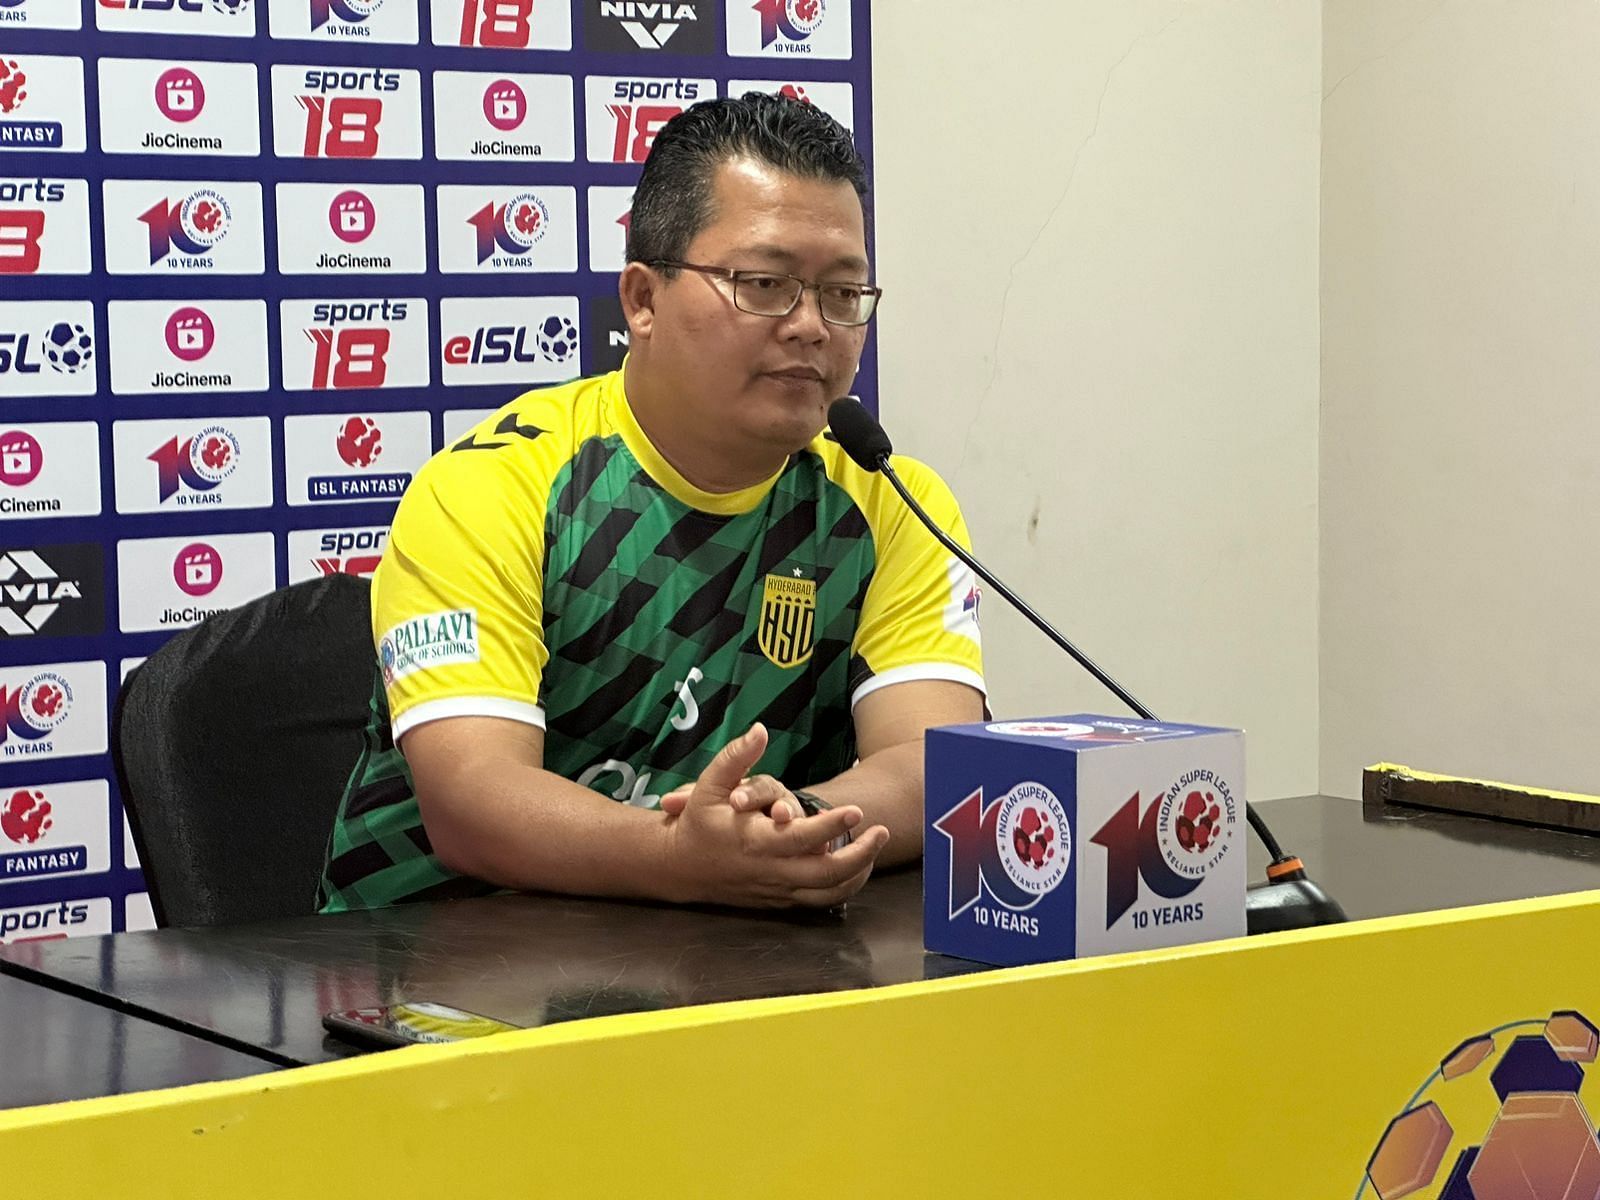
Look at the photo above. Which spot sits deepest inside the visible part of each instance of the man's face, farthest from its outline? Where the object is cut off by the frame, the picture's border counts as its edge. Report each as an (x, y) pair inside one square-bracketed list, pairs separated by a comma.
[(762, 380)]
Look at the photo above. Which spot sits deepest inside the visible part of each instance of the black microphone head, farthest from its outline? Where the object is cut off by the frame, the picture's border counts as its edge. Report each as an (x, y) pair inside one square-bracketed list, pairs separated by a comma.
[(859, 433)]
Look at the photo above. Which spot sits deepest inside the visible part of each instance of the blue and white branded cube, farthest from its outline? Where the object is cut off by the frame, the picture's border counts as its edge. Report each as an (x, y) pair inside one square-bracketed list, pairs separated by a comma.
[(1068, 836)]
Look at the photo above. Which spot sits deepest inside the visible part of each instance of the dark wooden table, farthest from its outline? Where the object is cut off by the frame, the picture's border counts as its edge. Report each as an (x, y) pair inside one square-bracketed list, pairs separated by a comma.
[(55, 1046), (532, 960)]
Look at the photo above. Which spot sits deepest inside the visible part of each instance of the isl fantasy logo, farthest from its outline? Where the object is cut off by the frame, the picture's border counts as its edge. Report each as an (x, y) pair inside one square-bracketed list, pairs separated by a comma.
[(179, 94), (352, 12), (13, 85), (1018, 848), (1171, 844), (25, 818), (514, 226), (190, 333), (359, 442), (1502, 1117), (193, 225), (199, 463), (794, 19), (37, 708), (505, 105)]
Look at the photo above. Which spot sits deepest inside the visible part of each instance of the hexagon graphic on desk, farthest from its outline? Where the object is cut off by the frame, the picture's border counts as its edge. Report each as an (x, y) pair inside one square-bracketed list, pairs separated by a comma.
[(1501, 1118)]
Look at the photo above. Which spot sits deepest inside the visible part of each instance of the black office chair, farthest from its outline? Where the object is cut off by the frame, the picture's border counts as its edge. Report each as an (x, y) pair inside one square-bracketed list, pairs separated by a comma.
[(232, 744)]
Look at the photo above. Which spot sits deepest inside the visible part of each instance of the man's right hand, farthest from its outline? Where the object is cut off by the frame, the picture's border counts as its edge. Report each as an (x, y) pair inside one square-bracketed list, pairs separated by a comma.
[(724, 856)]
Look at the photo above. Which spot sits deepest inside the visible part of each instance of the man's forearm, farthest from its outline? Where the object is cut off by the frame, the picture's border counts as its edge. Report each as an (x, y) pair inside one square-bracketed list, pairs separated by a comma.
[(522, 827), (887, 787)]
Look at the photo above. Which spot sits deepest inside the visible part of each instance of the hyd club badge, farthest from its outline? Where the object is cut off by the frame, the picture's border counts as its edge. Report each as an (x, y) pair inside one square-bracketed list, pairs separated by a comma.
[(788, 620)]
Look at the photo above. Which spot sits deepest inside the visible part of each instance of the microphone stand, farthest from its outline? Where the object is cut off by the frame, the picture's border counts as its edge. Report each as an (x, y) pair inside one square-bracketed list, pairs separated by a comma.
[(1288, 899)]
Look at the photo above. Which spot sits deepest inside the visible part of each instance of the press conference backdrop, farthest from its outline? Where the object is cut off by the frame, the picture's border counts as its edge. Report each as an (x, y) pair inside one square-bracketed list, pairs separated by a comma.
[(258, 260)]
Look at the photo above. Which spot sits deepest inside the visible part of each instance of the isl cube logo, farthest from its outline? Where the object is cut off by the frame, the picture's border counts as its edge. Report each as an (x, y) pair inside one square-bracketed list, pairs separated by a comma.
[(1017, 848), (505, 105), (25, 817), (21, 458), (179, 94), (192, 225), (359, 442), (190, 334), (197, 464), (795, 20), (348, 12), (1169, 844), (513, 227), (197, 569), (352, 216), (36, 709)]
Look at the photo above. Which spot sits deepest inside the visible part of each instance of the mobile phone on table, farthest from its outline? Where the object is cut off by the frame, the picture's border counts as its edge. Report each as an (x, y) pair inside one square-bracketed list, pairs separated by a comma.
[(415, 1023)]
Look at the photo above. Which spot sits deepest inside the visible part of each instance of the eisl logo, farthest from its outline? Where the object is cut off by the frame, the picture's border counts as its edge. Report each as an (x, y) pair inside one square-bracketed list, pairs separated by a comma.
[(41, 14), (509, 339), (502, 24), (835, 99), (55, 920), (346, 112), (203, 18), (352, 344), (171, 583), (652, 26), (330, 227), (610, 213), (194, 463), (41, 103), (44, 226), (608, 334), (54, 829), (53, 710), (186, 227), (47, 348), (315, 553), (785, 28), (505, 229), (369, 21), (330, 458), (51, 591), (50, 470), (204, 345), (151, 107), (623, 115), (502, 118)]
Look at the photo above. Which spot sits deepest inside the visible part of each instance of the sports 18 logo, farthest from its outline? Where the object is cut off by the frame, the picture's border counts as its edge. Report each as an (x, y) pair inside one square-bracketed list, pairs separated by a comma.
[(353, 344), (44, 227), (624, 115), (503, 24), (346, 113)]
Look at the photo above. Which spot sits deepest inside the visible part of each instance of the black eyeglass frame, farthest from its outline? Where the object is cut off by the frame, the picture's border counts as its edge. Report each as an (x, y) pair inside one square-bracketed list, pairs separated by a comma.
[(735, 277)]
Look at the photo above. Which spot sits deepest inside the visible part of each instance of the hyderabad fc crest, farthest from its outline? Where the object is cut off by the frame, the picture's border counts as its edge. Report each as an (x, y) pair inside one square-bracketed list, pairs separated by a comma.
[(788, 620)]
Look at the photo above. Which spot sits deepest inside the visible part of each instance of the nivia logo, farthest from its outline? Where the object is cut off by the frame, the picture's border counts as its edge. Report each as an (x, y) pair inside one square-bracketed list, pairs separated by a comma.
[(648, 26), (51, 590)]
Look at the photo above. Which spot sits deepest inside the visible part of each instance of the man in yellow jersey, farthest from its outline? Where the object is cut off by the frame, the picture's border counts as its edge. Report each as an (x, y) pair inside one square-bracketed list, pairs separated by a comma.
[(653, 634)]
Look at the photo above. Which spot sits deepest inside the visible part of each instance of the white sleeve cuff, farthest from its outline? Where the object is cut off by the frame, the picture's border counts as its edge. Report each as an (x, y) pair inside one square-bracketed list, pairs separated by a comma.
[(466, 706), (949, 671)]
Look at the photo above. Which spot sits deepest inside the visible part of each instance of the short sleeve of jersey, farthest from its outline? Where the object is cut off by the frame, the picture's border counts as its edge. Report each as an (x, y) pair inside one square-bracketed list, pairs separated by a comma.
[(457, 599), (920, 616)]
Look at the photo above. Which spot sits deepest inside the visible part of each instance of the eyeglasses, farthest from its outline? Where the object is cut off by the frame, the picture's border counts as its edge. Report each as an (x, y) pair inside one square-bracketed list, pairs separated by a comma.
[(767, 294)]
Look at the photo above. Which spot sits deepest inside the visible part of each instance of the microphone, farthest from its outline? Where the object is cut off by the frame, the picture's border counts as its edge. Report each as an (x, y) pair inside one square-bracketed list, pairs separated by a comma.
[(1288, 899)]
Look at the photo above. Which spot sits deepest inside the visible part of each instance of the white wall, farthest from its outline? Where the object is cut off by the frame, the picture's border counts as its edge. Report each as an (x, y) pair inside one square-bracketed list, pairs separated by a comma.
[(1097, 228), (1461, 390)]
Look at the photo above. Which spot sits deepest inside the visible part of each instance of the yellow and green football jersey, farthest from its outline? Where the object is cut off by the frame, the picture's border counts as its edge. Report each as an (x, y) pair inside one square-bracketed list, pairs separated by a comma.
[(551, 567)]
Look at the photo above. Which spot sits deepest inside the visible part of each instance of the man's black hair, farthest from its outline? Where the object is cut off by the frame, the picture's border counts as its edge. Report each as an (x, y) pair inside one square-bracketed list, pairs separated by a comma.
[(673, 201)]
